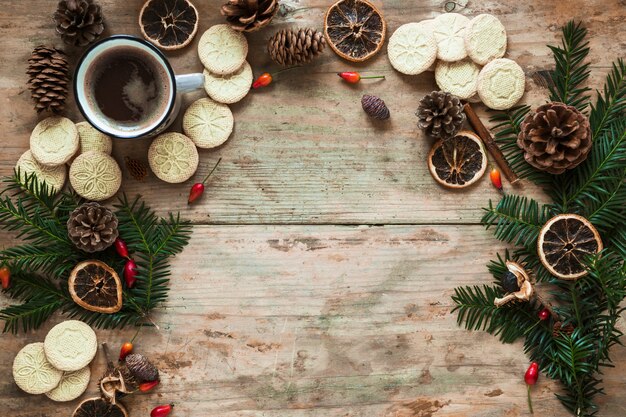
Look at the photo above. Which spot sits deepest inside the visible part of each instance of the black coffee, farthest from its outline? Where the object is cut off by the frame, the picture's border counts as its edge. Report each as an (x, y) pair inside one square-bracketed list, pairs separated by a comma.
[(129, 86)]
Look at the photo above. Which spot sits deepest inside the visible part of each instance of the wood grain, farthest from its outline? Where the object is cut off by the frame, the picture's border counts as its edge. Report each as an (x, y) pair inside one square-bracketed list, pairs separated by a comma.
[(287, 302)]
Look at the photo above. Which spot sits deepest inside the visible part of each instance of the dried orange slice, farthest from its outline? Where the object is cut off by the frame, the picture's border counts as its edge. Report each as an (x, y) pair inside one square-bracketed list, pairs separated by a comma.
[(169, 24), (355, 29), (458, 162), (564, 242), (95, 286)]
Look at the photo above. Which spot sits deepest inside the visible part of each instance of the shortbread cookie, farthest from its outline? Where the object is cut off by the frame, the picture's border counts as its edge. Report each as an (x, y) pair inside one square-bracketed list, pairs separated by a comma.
[(501, 84), (229, 88), (91, 139), (53, 176), (54, 141), (70, 345), (95, 176), (72, 385), (485, 39), (449, 31), (32, 371), (458, 78), (207, 123), (173, 157), (412, 49), (428, 26), (222, 50)]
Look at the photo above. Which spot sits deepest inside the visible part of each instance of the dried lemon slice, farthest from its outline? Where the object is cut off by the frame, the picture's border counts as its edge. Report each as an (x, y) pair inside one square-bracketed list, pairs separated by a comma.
[(169, 24), (458, 162)]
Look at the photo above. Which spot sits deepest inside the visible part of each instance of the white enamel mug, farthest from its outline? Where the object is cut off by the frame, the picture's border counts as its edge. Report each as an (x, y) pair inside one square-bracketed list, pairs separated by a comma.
[(169, 99)]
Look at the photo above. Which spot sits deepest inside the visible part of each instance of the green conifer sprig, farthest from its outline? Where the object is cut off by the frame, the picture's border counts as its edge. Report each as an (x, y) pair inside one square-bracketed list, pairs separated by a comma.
[(41, 265), (596, 190)]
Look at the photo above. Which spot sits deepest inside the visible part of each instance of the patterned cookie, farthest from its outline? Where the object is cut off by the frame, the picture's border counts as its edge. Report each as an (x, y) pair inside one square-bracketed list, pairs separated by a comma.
[(449, 31), (412, 48), (458, 78), (173, 157), (53, 176), (72, 385), (54, 141), (485, 39), (222, 50), (32, 371), (70, 345), (229, 88), (428, 26), (501, 84), (95, 176), (91, 139), (207, 123)]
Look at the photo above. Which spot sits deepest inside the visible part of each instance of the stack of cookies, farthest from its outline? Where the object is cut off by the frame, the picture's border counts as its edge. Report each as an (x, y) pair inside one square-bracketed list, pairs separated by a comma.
[(58, 367), (466, 55), (208, 122), (57, 142)]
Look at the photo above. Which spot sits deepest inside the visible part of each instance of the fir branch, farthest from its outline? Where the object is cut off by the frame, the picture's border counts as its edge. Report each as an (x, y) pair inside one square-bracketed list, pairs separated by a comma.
[(610, 104), (517, 220), (571, 71), (54, 260)]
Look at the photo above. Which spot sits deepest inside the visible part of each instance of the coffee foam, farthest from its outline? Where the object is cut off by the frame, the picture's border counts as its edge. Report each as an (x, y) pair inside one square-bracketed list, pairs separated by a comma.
[(152, 99)]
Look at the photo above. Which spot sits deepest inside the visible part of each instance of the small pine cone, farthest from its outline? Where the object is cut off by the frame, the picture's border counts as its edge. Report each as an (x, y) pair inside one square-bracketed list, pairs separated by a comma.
[(79, 22), (136, 168), (288, 47), (48, 78), (375, 107), (141, 368), (555, 138), (92, 227), (249, 16), (440, 115), (558, 328)]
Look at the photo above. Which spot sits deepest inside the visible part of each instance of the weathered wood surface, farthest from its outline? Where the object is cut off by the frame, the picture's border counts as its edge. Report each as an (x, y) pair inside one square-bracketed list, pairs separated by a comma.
[(282, 305)]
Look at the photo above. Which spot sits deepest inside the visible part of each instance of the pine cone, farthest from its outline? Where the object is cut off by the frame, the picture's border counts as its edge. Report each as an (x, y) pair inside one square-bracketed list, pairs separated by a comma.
[(555, 138), (141, 368), (92, 228), (79, 22), (288, 47), (48, 73), (375, 107), (249, 15), (440, 114)]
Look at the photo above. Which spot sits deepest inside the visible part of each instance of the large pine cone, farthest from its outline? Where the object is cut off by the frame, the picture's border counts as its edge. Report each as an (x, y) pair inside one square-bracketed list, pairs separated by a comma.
[(295, 47), (440, 115), (555, 138), (249, 15), (48, 73), (79, 22), (92, 227)]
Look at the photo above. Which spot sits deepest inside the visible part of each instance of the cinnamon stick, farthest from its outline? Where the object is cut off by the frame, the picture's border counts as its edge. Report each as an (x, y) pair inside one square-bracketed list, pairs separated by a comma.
[(490, 143)]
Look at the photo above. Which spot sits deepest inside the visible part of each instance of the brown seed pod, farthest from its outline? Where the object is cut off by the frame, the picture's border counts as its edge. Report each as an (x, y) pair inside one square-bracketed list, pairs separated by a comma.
[(375, 107), (141, 368)]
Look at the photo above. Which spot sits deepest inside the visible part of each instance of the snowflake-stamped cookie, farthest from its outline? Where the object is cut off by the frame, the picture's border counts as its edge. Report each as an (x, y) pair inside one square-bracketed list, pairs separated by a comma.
[(485, 39), (72, 385), (412, 48), (70, 345), (53, 176), (222, 50), (173, 157), (207, 123), (228, 88), (501, 84), (449, 32), (95, 176), (32, 371), (458, 78), (54, 141)]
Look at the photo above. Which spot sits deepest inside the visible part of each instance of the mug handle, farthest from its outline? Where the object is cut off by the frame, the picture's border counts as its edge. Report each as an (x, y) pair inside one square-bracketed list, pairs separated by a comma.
[(189, 82)]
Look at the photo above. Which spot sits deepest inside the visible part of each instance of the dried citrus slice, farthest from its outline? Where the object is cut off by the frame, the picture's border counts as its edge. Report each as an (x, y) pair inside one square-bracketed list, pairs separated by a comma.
[(95, 286), (458, 162), (564, 242), (169, 24), (355, 29)]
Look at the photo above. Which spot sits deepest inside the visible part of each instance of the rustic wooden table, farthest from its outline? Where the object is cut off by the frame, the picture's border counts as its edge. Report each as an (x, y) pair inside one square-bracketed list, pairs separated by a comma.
[(319, 275)]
